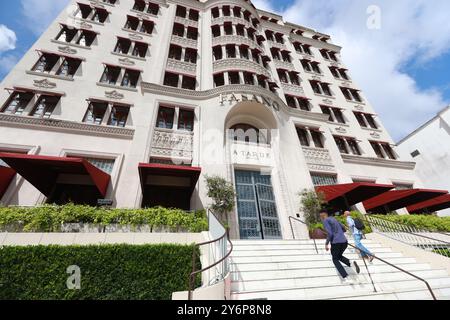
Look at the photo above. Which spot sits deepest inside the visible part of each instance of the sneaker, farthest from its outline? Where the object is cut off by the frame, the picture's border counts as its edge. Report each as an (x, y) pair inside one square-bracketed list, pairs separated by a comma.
[(356, 267), (348, 281)]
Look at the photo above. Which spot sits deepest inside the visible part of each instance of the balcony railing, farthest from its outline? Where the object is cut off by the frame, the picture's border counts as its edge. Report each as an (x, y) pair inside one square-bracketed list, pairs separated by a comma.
[(169, 143), (318, 159)]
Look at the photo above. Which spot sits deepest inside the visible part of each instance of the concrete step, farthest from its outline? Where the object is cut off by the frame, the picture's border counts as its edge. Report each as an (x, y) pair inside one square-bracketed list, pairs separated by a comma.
[(408, 264), (239, 243), (301, 251), (441, 294), (293, 247), (402, 291), (249, 276), (312, 258)]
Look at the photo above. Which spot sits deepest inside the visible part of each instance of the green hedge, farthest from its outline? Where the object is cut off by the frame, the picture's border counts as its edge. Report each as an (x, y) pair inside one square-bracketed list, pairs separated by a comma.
[(108, 272), (49, 218), (432, 223), (342, 220)]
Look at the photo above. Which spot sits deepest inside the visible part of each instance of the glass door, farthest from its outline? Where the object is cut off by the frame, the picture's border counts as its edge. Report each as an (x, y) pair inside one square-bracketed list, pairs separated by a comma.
[(257, 210)]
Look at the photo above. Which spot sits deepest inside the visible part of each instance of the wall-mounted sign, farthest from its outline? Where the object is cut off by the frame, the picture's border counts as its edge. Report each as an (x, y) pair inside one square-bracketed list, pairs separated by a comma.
[(233, 98)]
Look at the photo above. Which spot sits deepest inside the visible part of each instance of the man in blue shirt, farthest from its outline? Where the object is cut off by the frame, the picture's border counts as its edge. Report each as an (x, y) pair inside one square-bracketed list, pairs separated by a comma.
[(335, 235), (357, 235)]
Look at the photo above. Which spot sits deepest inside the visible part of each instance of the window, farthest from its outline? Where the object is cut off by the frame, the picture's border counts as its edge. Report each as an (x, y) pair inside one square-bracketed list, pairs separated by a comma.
[(247, 133), (286, 56), (186, 120), (282, 74), (153, 8), (193, 15), (233, 77), (175, 52), (188, 83), (275, 53), (217, 53), (69, 67), (100, 15), (317, 138), (45, 106), (147, 26), (298, 102), (315, 67), (228, 28), (240, 30), (192, 33), (84, 10), (279, 38), (293, 76), (334, 114), (130, 78), (415, 153), (226, 11), (219, 80), (388, 150), (110, 75), (181, 12), (215, 31), (123, 46), (351, 94), (140, 49), (119, 116), (87, 38), (165, 118), (248, 78), (237, 12), (46, 62), (323, 179), (139, 5), (243, 52), (190, 55), (231, 51), (340, 142), (17, 102), (132, 23), (96, 112), (366, 120), (66, 34), (383, 150), (321, 88), (171, 79), (215, 12), (377, 148), (353, 146)]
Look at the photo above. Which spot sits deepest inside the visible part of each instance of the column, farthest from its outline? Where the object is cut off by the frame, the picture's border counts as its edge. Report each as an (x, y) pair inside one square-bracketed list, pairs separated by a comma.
[(225, 78)]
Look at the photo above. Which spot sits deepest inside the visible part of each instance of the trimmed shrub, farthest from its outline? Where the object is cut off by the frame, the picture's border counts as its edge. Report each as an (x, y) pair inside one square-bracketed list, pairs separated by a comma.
[(108, 272), (50, 218), (432, 223)]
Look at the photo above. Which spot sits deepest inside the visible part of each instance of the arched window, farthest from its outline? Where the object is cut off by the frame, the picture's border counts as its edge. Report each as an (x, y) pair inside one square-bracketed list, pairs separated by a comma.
[(247, 133)]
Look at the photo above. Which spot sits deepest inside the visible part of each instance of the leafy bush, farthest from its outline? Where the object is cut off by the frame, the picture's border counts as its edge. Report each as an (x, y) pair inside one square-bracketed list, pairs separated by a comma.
[(311, 202), (432, 223), (444, 252), (342, 219), (222, 193), (49, 218), (108, 272)]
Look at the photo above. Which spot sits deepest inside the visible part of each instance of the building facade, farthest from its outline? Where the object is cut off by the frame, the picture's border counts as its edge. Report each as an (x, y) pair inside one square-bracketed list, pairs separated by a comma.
[(137, 101), (429, 147)]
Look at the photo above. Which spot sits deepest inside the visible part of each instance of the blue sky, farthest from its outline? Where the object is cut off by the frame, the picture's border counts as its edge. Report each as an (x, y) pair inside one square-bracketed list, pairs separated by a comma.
[(402, 66)]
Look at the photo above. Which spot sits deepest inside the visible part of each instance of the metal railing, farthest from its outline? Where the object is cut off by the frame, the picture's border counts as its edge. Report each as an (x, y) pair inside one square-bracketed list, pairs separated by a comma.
[(377, 258), (292, 229), (432, 241), (218, 253)]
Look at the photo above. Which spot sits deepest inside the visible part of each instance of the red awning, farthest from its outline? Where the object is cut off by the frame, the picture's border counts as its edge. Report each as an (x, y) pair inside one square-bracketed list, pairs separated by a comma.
[(157, 169), (342, 196), (6, 176), (432, 205), (398, 199), (43, 171)]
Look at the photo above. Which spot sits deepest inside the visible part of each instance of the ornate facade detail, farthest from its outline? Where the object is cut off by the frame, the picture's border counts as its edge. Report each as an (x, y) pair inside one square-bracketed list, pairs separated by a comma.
[(184, 42), (114, 95), (318, 159), (85, 25), (327, 101), (135, 36), (67, 49), (316, 77), (64, 125), (283, 64), (181, 66), (234, 20), (274, 44), (341, 130), (240, 64), (126, 62), (359, 108), (97, 3), (186, 22), (375, 135), (45, 84), (168, 143), (236, 39), (292, 89)]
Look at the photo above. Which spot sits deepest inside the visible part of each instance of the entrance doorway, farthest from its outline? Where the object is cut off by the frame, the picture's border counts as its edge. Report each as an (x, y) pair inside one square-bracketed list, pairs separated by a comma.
[(257, 210)]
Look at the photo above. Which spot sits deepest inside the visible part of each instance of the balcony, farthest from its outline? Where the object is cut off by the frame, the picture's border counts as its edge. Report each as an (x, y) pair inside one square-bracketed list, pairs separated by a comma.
[(233, 20), (292, 89), (184, 42), (236, 39), (168, 143), (178, 66), (186, 22), (240, 64), (280, 64), (318, 159)]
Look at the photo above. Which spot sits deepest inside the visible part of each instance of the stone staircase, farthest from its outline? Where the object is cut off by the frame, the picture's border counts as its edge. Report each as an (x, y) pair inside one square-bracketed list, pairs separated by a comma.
[(292, 270)]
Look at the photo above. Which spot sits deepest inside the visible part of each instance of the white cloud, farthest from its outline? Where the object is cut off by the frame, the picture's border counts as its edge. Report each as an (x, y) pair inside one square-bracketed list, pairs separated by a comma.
[(40, 13), (8, 39), (410, 29)]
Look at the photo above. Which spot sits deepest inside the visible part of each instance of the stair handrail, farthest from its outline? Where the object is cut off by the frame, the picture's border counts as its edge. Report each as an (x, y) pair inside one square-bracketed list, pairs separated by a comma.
[(399, 230), (292, 229), (386, 262), (225, 240)]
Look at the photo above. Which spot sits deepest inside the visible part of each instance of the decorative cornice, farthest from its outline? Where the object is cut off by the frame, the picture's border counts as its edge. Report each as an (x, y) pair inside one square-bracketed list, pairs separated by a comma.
[(126, 62), (315, 43), (240, 64), (64, 125), (231, 89), (379, 162), (67, 49)]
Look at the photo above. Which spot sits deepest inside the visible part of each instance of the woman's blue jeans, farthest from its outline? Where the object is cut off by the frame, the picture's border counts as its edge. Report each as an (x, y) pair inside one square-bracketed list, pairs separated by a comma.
[(364, 251)]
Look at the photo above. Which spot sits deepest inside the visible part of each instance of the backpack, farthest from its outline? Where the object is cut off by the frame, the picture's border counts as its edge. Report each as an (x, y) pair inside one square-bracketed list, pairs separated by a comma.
[(359, 224)]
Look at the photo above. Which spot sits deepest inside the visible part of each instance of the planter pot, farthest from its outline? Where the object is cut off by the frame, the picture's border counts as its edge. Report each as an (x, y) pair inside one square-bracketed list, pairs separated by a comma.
[(317, 234)]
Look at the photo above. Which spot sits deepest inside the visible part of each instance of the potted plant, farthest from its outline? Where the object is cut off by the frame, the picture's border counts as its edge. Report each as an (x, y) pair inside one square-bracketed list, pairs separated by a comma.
[(312, 202), (222, 193)]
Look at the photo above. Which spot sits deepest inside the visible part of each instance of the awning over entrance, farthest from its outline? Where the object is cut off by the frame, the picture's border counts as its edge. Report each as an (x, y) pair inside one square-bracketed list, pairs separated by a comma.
[(43, 171), (155, 169), (398, 199), (6, 176), (432, 205), (342, 196)]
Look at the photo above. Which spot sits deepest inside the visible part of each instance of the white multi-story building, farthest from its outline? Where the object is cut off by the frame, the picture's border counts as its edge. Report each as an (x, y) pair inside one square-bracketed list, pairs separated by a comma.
[(429, 147), (131, 100)]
